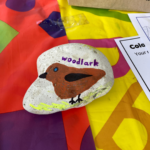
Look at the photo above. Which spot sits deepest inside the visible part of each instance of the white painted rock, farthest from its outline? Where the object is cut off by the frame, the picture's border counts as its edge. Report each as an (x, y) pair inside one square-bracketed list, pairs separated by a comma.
[(70, 76)]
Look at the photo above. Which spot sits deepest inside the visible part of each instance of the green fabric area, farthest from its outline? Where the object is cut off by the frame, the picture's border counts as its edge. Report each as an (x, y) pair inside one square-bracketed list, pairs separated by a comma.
[(7, 33), (104, 12)]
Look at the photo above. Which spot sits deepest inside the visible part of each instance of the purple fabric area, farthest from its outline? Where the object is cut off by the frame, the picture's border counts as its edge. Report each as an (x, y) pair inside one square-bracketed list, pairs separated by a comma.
[(87, 141), (53, 25), (21, 130), (20, 5), (109, 43), (121, 68)]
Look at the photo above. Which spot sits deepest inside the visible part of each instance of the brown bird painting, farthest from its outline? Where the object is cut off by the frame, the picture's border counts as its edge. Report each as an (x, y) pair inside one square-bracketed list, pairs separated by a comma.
[(69, 82)]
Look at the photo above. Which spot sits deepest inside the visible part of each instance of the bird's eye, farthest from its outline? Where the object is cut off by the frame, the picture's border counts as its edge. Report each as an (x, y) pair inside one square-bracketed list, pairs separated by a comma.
[(55, 69)]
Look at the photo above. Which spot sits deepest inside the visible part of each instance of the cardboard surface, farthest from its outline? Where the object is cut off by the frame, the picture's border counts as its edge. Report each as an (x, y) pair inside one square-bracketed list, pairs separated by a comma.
[(128, 5)]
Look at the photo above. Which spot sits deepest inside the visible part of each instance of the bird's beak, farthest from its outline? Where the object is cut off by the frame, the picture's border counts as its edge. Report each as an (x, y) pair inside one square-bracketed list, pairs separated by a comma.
[(43, 75)]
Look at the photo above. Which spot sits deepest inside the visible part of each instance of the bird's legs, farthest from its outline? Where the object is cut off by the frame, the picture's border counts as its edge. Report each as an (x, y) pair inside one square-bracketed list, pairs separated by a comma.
[(79, 99), (72, 101)]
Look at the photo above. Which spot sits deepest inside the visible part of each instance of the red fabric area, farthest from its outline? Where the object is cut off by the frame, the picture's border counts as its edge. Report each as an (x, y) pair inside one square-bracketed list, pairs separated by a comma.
[(18, 59)]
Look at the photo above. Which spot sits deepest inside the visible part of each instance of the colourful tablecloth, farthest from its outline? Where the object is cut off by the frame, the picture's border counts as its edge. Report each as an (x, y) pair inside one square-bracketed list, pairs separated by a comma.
[(117, 121)]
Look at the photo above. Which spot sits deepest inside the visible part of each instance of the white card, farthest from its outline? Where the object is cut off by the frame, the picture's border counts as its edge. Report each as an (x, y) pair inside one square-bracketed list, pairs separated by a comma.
[(138, 57), (141, 22)]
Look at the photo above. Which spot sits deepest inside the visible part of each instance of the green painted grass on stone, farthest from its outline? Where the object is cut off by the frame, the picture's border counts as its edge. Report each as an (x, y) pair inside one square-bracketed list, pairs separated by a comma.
[(7, 33)]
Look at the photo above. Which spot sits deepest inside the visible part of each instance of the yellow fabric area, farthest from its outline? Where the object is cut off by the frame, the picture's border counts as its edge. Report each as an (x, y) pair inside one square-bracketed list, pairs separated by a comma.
[(100, 109), (131, 134), (98, 27), (142, 103), (109, 52)]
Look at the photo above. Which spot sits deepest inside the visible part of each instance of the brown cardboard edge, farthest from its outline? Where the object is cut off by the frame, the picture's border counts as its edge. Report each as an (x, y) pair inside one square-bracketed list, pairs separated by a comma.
[(133, 10)]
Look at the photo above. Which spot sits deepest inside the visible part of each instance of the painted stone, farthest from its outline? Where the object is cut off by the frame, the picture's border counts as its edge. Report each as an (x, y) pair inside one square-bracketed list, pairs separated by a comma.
[(69, 76)]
